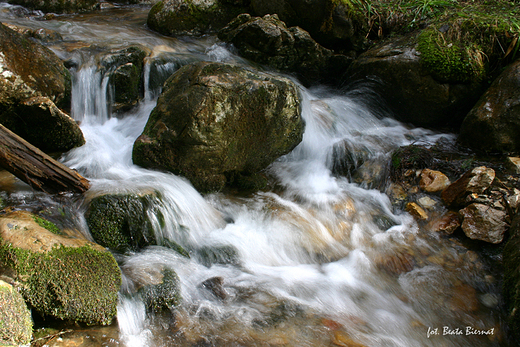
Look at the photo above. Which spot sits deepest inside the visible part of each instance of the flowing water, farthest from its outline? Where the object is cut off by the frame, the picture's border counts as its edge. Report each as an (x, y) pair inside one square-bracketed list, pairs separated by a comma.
[(318, 259)]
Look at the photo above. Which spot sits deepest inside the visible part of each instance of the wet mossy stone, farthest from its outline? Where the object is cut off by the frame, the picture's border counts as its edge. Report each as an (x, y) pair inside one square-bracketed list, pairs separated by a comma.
[(16, 322), (215, 121), (65, 277), (125, 69), (120, 221), (163, 295), (223, 255)]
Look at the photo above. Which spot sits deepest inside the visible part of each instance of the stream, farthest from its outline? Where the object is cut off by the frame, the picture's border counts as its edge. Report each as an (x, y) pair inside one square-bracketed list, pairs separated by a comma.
[(319, 259)]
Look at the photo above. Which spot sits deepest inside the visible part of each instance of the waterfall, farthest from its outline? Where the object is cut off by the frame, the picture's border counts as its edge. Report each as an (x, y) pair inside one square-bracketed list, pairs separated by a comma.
[(315, 261)]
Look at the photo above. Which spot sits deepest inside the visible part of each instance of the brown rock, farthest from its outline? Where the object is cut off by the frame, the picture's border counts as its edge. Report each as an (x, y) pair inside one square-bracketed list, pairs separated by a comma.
[(464, 298), (343, 339), (484, 223), (475, 181), (416, 211), (433, 181), (447, 223)]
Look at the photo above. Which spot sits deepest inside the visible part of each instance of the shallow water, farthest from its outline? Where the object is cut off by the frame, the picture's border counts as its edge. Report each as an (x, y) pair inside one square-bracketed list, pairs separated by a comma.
[(319, 259)]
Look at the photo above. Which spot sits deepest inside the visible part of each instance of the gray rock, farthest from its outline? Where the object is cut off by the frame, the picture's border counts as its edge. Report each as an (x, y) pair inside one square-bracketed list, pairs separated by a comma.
[(215, 121)]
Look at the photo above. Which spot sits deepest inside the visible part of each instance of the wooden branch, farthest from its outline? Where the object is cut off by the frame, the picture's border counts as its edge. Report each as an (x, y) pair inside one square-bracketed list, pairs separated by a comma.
[(36, 168)]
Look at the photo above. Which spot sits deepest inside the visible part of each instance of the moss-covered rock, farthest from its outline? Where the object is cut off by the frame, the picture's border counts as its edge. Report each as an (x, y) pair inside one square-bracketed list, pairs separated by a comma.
[(192, 17), (268, 41), (61, 276), (214, 121), (164, 294), (120, 221), (16, 322), (125, 69), (223, 255), (398, 73), (335, 24)]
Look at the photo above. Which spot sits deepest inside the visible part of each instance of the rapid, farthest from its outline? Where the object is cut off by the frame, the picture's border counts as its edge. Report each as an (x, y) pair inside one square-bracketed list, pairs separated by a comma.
[(318, 258)]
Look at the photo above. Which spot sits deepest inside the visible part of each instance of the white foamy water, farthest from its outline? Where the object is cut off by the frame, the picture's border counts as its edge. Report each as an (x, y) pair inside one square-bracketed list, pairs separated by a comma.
[(307, 262)]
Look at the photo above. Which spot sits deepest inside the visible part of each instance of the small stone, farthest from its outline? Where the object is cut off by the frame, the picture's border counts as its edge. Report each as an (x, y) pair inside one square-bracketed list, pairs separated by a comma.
[(484, 223), (464, 298), (416, 211), (433, 181), (215, 285), (427, 202)]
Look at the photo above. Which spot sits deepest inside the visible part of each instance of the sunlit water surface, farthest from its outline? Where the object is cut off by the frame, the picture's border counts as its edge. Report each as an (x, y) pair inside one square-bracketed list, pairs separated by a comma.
[(321, 259)]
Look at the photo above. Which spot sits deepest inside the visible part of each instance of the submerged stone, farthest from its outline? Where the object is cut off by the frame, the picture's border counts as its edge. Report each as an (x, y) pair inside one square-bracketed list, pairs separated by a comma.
[(214, 122), (162, 295), (64, 277)]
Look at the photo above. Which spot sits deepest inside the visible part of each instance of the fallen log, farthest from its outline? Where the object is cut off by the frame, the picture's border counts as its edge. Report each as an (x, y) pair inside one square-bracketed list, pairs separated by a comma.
[(36, 168)]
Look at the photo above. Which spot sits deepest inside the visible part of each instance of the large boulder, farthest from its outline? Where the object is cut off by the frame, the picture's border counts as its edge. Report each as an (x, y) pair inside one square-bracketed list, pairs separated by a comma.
[(192, 17), (34, 83), (16, 325), (267, 40), (334, 24), (415, 94), (59, 273), (214, 122), (494, 123)]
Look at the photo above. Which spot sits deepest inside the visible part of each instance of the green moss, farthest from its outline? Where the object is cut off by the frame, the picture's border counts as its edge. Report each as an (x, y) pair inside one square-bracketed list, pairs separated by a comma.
[(120, 222), (16, 321), (78, 284), (47, 225), (165, 295), (450, 61)]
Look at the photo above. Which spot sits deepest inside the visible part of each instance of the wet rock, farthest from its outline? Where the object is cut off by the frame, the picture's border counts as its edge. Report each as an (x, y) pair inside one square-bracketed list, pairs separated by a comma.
[(268, 41), (215, 285), (484, 223), (414, 95), (33, 84), (120, 222), (46, 126), (124, 69), (164, 294), (334, 24), (16, 326), (494, 122), (433, 181), (215, 121), (475, 181), (41, 34), (464, 298), (192, 17), (399, 262), (60, 276), (66, 6), (416, 211), (343, 339), (223, 255), (446, 223), (427, 202)]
